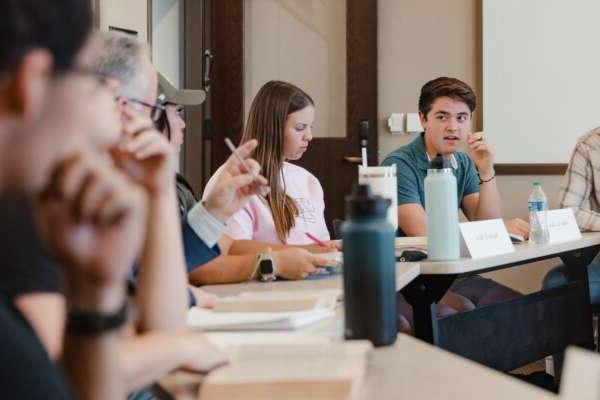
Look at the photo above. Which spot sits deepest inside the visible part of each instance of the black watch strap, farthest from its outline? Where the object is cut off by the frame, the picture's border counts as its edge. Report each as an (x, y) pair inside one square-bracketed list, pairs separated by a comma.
[(87, 322)]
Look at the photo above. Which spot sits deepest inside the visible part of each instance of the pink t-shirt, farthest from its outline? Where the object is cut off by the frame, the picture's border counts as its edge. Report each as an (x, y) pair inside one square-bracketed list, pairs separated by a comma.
[(255, 221)]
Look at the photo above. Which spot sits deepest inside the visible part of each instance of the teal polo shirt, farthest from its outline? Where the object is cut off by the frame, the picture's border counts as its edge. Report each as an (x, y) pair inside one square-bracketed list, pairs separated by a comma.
[(411, 169)]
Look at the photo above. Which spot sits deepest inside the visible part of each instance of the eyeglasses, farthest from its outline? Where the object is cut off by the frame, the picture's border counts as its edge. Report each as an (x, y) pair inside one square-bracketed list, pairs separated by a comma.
[(156, 110), (179, 109), (163, 124)]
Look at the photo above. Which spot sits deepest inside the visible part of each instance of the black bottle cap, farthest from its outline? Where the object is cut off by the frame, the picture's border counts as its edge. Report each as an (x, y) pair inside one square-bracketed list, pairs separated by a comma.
[(439, 162), (362, 203)]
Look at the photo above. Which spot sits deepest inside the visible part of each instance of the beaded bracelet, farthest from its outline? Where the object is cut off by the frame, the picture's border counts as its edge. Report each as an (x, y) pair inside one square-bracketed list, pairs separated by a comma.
[(481, 181)]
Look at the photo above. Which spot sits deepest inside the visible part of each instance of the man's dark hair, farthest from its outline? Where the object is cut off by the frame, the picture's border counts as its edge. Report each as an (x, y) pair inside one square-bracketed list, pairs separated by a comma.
[(446, 87), (60, 26)]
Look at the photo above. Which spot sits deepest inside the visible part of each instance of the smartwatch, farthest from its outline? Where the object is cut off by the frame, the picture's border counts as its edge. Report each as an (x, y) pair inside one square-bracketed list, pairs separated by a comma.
[(265, 266), (91, 322)]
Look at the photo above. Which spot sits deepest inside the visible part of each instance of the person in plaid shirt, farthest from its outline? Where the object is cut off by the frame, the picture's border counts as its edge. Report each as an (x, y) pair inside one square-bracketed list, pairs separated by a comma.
[(581, 192)]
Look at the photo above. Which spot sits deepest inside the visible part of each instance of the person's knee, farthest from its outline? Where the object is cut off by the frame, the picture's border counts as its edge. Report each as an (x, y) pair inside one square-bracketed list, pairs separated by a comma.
[(555, 277), (444, 310), (404, 325), (594, 280), (466, 305), (457, 302)]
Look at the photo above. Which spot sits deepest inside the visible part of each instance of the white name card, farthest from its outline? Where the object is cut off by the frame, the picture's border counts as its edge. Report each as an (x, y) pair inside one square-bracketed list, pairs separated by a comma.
[(562, 225), (486, 238), (580, 375)]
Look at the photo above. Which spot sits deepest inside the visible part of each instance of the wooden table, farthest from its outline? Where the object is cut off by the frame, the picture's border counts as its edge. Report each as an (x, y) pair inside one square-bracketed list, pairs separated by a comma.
[(508, 335), (409, 369)]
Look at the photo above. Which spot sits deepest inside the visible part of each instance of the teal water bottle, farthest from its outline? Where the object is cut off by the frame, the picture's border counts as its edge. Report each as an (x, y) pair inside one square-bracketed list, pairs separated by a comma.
[(369, 269), (441, 207)]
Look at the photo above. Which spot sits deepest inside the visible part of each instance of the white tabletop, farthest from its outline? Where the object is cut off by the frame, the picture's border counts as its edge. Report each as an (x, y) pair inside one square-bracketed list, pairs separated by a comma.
[(410, 369), (405, 273), (523, 252)]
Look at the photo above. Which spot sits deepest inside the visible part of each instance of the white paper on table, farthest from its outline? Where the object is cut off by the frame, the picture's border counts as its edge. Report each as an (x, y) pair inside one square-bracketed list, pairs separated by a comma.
[(414, 242), (278, 301), (224, 340), (212, 321)]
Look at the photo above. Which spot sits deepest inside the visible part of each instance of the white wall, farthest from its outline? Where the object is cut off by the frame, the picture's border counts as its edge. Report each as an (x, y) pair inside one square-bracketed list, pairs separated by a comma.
[(540, 74), (128, 14), (302, 42), (167, 43)]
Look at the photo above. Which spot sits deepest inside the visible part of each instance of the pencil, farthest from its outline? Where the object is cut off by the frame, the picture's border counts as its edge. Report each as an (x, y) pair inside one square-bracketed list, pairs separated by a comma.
[(315, 239), (240, 161)]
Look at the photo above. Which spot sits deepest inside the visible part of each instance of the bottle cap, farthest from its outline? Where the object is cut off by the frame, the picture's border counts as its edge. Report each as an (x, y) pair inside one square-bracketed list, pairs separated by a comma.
[(536, 184), (362, 203), (439, 162)]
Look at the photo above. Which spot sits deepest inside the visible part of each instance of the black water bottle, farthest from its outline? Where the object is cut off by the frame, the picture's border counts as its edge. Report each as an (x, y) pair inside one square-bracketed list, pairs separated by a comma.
[(369, 269)]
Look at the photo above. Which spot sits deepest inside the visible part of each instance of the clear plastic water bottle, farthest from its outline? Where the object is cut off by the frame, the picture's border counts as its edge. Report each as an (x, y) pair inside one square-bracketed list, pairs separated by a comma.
[(538, 215)]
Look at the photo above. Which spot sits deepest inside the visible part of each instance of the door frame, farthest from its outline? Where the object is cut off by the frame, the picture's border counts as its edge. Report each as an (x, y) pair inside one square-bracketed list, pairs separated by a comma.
[(227, 18)]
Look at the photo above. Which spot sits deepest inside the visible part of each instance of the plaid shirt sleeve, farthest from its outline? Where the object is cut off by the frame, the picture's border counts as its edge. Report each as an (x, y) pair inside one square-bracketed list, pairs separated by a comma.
[(578, 188)]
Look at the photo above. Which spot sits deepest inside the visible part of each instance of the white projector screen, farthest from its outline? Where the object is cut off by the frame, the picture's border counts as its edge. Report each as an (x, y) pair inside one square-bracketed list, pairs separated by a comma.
[(541, 77)]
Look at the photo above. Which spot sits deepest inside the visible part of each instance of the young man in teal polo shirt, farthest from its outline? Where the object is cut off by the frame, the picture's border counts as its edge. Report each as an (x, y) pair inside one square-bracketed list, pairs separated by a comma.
[(446, 106)]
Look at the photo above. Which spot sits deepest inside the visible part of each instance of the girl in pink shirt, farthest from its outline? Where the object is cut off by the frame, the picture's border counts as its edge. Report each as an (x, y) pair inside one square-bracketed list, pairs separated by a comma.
[(280, 118)]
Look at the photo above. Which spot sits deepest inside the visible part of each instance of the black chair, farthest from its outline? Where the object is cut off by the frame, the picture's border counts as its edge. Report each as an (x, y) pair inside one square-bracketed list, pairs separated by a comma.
[(337, 228), (558, 276), (596, 321)]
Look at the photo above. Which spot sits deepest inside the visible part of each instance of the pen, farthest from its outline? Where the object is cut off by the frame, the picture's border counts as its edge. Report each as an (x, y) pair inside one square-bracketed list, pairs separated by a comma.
[(481, 137), (240, 160), (315, 239), (364, 156)]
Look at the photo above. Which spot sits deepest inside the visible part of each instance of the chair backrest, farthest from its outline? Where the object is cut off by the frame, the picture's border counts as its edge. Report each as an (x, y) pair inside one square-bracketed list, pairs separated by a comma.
[(337, 228)]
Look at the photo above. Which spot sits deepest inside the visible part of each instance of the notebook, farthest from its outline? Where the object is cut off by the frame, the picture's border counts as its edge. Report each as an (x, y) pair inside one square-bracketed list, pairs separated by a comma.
[(290, 371), (411, 243), (226, 340), (209, 320), (337, 262), (278, 301)]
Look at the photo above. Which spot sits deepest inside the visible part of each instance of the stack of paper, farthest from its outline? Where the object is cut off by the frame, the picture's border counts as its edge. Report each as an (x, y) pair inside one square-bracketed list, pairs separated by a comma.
[(279, 301), (214, 321), (336, 261), (411, 243), (266, 310), (290, 371), (227, 340)]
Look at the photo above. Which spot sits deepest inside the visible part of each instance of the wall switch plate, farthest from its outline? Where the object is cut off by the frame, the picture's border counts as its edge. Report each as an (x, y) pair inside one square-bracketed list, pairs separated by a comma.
[(413, 123), (396, 123)]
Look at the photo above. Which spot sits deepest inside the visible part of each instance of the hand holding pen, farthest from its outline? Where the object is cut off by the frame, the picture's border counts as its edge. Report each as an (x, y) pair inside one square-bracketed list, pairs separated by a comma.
[(324, 246), (235, 183), (242, 164), (481, 154)]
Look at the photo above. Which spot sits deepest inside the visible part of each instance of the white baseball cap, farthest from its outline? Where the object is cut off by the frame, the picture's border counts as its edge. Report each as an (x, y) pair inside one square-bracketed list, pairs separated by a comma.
[(186, 97)]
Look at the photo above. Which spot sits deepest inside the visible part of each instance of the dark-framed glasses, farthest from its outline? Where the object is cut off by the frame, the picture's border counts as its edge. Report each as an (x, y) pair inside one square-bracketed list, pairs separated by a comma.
[(179, 109), (156, 110)]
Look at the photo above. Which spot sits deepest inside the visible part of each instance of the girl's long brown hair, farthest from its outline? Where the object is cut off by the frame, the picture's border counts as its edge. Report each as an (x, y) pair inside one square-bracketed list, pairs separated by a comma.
[(266, 121)]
